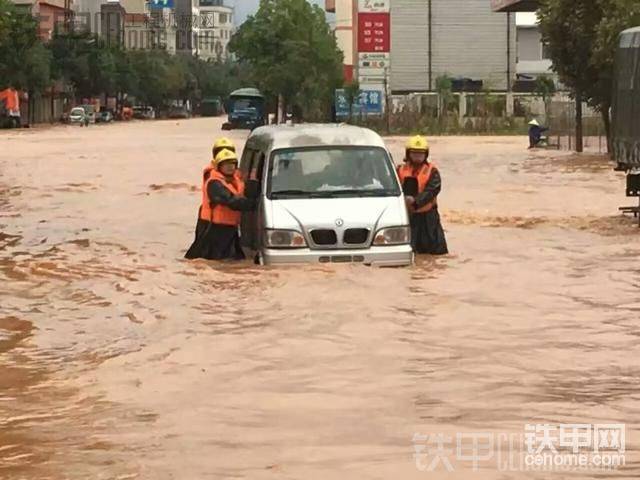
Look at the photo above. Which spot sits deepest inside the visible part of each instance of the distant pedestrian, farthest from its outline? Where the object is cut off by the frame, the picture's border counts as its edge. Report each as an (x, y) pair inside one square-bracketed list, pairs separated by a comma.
[(535, 133)]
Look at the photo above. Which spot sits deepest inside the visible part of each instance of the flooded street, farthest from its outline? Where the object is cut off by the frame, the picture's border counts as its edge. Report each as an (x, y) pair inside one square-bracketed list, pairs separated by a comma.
[(121, 360)]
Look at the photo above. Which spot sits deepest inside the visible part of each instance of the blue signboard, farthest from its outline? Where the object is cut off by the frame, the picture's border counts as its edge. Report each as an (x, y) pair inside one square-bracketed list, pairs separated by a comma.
[(160, 3), (368, 103)]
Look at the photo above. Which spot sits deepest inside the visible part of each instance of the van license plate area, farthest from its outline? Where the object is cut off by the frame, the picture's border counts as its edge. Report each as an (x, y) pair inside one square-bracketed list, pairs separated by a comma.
[(341, 259)]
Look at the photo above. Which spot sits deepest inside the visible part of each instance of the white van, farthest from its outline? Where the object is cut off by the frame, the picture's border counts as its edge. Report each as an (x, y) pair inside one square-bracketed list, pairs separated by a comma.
[(328, 194)]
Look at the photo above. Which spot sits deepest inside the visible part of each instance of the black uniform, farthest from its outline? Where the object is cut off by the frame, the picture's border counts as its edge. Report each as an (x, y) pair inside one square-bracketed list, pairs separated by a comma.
[(217, 242), (427, 234)]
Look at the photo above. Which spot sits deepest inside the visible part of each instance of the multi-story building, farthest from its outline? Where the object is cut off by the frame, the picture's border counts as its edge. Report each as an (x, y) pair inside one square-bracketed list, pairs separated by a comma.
[(87, 15), (461, 39), (187, 21), (51, 14), (514, 5), (345, 29), (533, 59), (134, 24), (216, 28)]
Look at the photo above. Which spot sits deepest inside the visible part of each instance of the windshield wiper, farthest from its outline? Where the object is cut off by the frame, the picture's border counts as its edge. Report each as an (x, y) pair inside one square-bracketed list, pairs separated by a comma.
[(292, 193), (359, 193)]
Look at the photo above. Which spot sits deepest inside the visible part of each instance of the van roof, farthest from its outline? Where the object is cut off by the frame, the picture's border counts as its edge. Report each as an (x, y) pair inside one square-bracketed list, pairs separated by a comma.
[(274, 137), (631, 31)]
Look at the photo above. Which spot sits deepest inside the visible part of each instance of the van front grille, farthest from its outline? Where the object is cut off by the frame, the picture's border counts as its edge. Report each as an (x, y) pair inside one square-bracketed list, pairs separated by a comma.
[(356, 236), (324, 237)]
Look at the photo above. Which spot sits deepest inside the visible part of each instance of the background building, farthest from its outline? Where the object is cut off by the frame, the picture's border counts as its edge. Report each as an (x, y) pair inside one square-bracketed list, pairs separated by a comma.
[(216, 28), (533, 59), (417, 41), (457, 38), (50, 13), (346, 12)]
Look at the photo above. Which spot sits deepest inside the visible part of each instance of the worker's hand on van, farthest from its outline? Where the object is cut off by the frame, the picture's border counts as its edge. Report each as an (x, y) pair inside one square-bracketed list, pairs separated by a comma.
[(409, 201), (253, 175)]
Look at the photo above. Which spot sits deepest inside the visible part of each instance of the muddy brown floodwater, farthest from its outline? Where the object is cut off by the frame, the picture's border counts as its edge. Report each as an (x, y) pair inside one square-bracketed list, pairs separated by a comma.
[(120, 360)]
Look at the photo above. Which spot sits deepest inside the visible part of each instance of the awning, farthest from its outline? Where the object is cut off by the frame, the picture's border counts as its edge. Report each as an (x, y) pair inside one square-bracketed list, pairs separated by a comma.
[(514, 5)]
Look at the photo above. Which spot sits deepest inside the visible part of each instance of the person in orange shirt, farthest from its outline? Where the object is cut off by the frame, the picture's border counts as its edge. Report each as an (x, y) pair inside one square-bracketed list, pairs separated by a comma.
[(225, 195), (421, 184)]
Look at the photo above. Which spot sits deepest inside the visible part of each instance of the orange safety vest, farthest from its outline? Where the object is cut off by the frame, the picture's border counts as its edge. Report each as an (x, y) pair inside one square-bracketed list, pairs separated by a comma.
[(220, 214), (423, 177)]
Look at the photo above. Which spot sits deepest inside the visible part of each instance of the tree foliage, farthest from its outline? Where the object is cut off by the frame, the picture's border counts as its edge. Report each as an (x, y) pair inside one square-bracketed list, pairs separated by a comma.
[(24, 62), (582, 37), (292, 53), (545, 89)]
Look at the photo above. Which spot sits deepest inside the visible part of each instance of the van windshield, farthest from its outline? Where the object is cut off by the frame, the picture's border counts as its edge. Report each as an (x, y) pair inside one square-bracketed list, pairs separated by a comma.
[(331, 172)]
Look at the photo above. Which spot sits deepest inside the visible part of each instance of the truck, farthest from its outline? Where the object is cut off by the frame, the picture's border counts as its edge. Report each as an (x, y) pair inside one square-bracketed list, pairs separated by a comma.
[(625, 113), (9, 108), (246, 109)]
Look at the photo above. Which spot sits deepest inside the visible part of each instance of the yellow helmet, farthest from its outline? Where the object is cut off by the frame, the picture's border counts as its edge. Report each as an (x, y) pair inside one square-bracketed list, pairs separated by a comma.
[(224, 156), (418, 143), (222, 143)]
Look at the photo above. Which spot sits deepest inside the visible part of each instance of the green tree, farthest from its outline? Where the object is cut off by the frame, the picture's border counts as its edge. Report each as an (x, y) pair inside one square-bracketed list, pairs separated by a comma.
[(75, 61), (102, 70), (151, 70), (619, 15), (126, 78), (24, 63), (545, 89), (444, 87), (582, 39), (292, 53), (568, 28)]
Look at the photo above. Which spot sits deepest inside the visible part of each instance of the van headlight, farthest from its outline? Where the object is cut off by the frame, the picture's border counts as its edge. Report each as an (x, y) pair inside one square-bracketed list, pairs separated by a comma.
[(284, 239), (393, 236)]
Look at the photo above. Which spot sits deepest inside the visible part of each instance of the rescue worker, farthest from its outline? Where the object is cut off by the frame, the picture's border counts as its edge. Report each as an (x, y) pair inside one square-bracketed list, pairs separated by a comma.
[(421, 185), (220, 144), (223, 201), (535, 133)]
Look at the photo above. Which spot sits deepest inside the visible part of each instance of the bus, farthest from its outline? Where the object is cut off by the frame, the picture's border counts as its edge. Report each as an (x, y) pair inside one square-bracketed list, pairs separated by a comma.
[(625, 114)]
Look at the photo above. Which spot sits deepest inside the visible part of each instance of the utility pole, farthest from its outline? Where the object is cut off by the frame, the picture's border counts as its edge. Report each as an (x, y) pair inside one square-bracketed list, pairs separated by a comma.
[(430, 47), (579, 141), (67, 16), (387, 102)]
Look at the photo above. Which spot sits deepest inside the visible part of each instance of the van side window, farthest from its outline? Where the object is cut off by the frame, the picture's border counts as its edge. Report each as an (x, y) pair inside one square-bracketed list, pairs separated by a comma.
[(247, 159)]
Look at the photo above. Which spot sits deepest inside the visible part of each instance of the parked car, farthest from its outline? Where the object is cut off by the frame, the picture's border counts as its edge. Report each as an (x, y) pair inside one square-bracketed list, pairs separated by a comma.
[(179, 111), (327, 194), (104, 116), (144, 113), (78, 115)]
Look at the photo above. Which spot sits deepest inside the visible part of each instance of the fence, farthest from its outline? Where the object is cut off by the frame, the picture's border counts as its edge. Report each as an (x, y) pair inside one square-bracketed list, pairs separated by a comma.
[(562, 126), (488, 113)]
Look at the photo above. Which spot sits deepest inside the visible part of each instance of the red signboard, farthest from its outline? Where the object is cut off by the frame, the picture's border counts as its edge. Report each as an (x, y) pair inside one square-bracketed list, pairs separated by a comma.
[(374, 32)]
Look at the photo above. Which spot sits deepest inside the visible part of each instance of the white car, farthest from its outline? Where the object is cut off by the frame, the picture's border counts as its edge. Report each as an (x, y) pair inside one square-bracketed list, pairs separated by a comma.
[(328, 194), (78, 115)]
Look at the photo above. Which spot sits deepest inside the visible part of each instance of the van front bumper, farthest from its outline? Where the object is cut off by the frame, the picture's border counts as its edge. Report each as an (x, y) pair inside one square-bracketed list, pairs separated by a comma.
[(390, 256)]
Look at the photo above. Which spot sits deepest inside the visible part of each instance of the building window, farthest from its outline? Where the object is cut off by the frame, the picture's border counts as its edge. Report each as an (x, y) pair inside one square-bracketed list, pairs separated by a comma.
[(222, 17), (211, 3)]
